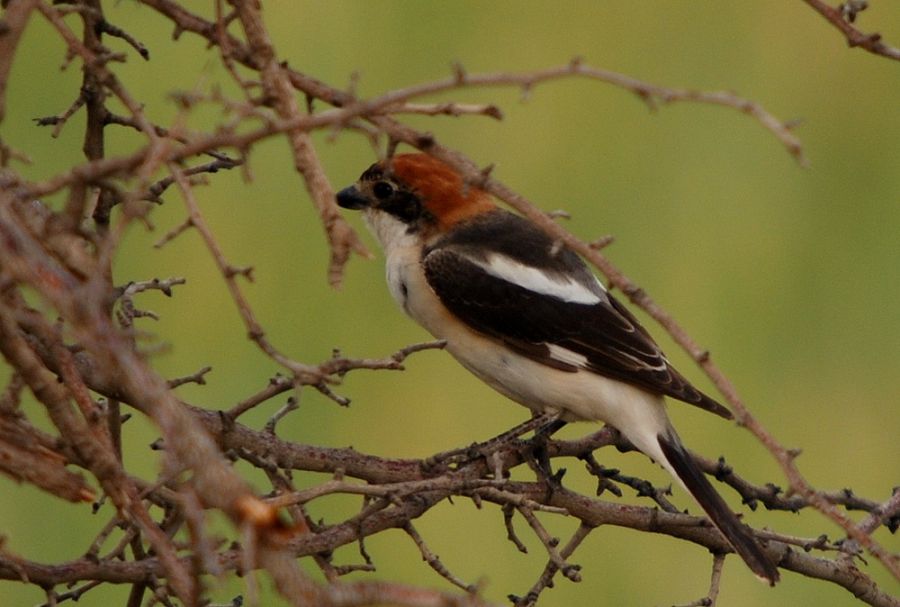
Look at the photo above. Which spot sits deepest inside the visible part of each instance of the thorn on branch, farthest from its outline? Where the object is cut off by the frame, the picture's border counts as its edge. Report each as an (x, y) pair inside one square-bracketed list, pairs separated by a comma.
[(425, 141), (602, 242), (352, 84), (459, 73), (723, 470), (484, 174), (774, 489), (820, 543), (559, 214), (525, 96), (793, 123), (231, 271)]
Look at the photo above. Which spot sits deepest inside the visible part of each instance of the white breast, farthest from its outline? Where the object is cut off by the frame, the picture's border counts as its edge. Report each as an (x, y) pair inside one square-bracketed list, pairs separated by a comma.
[(405, 277)]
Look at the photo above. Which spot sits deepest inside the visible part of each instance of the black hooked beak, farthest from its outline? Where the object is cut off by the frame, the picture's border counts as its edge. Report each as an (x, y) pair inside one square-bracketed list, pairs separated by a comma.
[(350, 198)]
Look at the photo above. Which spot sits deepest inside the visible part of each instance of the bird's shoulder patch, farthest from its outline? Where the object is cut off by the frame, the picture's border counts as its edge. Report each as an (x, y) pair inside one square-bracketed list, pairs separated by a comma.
[(511, 248)]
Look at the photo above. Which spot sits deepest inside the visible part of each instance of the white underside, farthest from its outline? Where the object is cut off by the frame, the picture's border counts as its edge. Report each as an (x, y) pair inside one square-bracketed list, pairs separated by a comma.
[(582, 395)]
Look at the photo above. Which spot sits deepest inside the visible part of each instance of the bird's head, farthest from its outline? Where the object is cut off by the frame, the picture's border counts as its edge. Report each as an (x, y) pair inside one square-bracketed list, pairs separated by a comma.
[(419, 191)]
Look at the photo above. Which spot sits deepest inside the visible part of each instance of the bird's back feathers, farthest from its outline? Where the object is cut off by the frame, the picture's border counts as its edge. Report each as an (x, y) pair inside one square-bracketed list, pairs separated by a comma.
[(563, 318)]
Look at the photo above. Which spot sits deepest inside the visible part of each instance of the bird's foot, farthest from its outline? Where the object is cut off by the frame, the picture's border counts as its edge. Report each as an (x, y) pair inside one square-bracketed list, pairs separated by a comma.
[(535, 452), (543, 425)]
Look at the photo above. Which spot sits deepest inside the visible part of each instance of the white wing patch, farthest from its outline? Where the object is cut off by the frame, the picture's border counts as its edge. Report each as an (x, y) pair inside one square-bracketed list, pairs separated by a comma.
[(560, 286), (564, 355)]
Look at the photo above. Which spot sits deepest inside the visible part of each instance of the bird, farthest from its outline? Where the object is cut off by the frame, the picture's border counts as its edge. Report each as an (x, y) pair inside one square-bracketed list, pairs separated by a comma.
[(523, 313)]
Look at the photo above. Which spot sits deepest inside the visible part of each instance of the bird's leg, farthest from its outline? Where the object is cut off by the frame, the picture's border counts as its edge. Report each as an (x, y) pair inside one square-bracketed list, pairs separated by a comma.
[(536, 449), (539, 422), (553, 425)]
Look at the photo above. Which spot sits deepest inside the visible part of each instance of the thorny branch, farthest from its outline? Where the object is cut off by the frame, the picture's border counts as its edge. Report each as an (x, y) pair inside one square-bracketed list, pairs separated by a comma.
[(76, 352), (842, 19)]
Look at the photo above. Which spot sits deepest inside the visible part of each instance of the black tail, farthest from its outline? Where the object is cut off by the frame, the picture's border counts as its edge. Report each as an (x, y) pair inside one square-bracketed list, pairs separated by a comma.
[(718, 511)]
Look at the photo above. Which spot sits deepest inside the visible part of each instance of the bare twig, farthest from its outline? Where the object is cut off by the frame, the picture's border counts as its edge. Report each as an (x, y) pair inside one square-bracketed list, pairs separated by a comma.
[(198, 377), (887, 513), (434, 562), (277, 385), (572, 572), (508, 511), (550, 570), (449, 109), (15, 18), (292, 404), (652, 94), (118, 32), (174, 233), (58, 122), (715, 579), (223, 163), (279, 92), (855, 38)]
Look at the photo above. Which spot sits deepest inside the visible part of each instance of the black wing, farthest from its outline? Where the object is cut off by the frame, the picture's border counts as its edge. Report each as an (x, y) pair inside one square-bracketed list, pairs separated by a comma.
[(603, 336)]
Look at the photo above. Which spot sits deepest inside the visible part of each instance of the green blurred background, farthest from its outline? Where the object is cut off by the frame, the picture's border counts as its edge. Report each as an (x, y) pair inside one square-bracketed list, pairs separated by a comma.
[(789, 275)]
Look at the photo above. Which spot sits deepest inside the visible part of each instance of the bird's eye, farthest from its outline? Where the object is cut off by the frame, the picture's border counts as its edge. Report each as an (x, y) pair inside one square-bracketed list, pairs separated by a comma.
[(382, 190)]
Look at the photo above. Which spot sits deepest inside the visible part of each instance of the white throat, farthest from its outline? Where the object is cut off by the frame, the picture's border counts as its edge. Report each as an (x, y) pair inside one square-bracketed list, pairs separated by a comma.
[(390, 231)]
